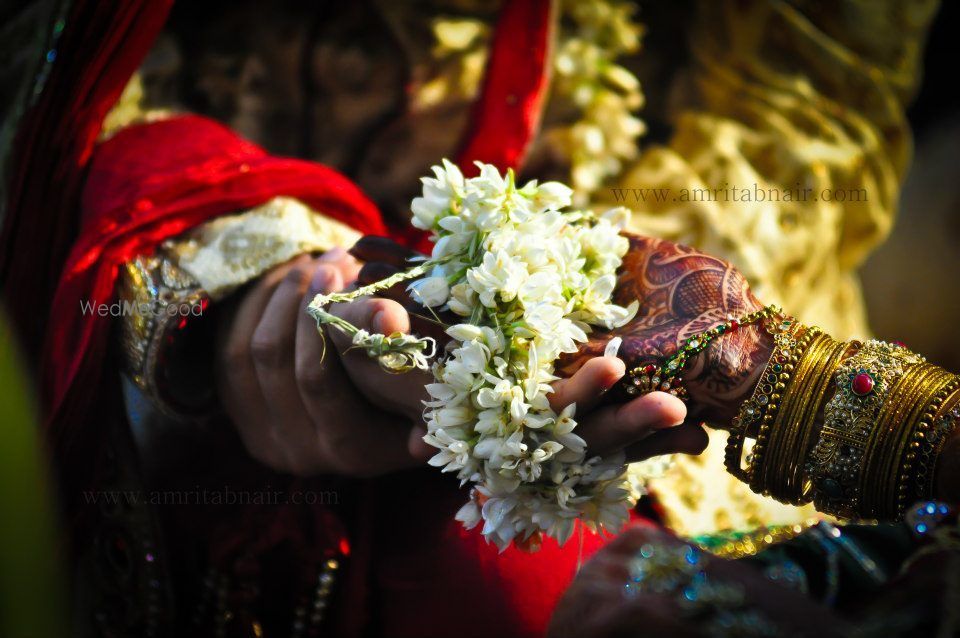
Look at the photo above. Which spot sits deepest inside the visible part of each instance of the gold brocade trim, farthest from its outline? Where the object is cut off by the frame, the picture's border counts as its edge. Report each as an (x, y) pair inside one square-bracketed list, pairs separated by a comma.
[(229, 251), (154, 296), (158, 292)]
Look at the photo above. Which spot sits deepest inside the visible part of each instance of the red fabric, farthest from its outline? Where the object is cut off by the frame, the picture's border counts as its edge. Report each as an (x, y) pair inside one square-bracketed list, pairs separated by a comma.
[(427, 577), (507, 113), (149, 183), (101, 46)]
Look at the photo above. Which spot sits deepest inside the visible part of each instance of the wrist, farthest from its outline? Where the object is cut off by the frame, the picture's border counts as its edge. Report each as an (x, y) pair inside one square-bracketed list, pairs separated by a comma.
[(726, 373)]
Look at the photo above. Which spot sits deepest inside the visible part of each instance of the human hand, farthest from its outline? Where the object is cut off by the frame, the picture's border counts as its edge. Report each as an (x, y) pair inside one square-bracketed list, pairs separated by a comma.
[(682, 292), (596, 604), (647, 426), (294, 408)]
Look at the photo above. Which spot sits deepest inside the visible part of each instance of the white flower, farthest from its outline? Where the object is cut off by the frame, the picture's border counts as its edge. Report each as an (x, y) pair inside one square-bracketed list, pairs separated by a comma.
[(439, 194), (529, 279), (552, 196), (469, 514), (454, 454), (430, 291), (461, 299), (499, 275)]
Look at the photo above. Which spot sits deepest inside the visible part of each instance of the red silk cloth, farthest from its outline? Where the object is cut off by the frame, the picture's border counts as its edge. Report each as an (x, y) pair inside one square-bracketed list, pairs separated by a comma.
[(514, 92), (102, 45)]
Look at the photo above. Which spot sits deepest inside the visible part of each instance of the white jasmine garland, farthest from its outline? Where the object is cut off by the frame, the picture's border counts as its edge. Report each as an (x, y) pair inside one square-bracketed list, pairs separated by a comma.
[(530, 281)]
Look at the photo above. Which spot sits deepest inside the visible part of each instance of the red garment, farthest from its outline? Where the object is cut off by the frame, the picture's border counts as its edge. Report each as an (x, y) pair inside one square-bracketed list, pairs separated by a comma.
[(102, 45), (149, 183), (410, 560), (514, 92)]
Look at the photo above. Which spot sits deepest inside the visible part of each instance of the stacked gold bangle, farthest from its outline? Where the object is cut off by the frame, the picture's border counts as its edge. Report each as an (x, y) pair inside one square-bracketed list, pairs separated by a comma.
[(766, 435), (793, 429), (760, 409), (863, 383), (854, 427)]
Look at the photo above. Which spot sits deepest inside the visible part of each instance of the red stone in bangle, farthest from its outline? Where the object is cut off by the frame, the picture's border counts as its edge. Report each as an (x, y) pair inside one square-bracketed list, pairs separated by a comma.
[(862, 384)]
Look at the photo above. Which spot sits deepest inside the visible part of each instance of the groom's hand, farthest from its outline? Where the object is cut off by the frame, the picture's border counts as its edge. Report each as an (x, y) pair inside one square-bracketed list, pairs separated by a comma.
[(290, 398)]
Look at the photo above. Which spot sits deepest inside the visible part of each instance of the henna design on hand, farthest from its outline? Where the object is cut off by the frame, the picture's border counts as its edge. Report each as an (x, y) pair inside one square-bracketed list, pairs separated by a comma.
[(683, 291)]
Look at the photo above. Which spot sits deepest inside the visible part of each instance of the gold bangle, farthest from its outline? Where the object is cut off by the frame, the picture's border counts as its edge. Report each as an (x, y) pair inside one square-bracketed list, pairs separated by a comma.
[(787, 420), (796, 489), (901, 414), (862, 382), (756, 464), (793, 429), (943, 425), (776, 371)]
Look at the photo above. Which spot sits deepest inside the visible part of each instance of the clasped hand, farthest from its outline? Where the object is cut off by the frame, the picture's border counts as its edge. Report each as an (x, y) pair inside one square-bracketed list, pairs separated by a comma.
[(306, 405)]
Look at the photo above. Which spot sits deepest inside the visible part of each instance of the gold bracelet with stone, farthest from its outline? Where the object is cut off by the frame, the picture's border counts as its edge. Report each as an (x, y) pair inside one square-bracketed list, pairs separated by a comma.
[(862, 383), (766, 394), (897, 420)]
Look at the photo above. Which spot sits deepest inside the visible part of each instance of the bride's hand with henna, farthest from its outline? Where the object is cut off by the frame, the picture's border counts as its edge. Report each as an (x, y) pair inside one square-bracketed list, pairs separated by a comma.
[(682, 292)]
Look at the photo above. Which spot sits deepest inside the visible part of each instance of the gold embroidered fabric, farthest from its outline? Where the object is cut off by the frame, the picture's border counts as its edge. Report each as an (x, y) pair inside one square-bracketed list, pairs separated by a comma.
[(154, 296), (227, 252), (780, 95), (205, 265)]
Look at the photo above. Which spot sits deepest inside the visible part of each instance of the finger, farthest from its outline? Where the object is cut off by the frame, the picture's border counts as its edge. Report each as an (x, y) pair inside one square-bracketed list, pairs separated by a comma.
[(356, 438), (402, 393), (373, 314), (319, 375), (376, 271), (615, 427), (237, 381), (587, 385), (273, 347), (372, 248), (346, 263), (689, 438)]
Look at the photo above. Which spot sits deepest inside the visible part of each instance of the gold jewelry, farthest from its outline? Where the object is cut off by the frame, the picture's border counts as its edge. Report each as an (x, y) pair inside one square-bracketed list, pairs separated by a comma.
[(720, 608), (774, 377), (797, 420), (862, 382), (789, 421), (156, 298), (932, 444), (666, 376), (900, 414), (925, 438), (757, 463)]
